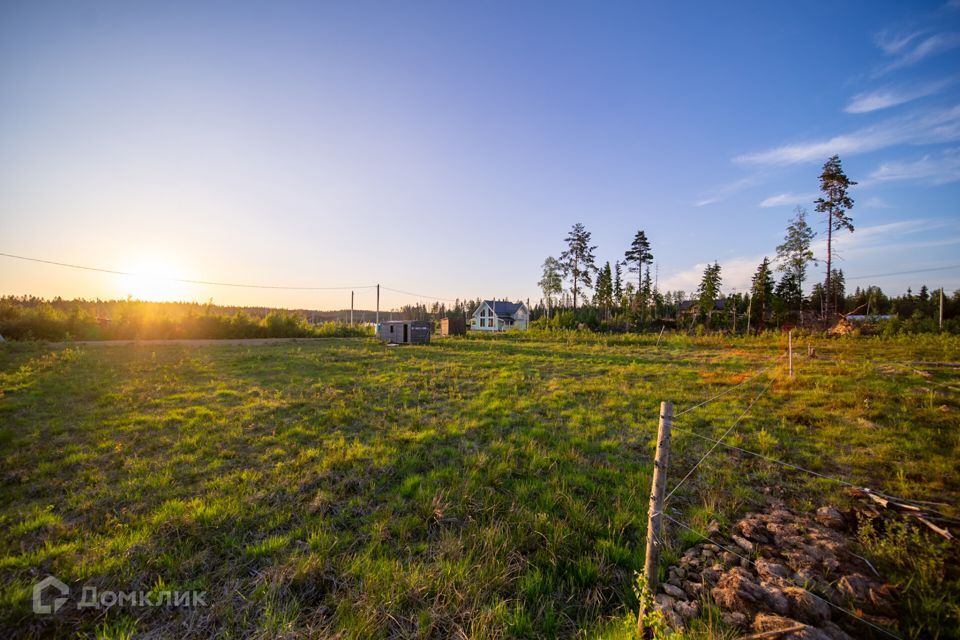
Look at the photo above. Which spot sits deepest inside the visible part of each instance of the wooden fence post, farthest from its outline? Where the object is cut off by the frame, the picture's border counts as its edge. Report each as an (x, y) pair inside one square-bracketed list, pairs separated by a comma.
[(655, 514), (790, 346)]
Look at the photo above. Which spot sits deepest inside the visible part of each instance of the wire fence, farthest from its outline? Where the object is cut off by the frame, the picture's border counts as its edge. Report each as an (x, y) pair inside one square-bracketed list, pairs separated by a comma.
[(717, 443)]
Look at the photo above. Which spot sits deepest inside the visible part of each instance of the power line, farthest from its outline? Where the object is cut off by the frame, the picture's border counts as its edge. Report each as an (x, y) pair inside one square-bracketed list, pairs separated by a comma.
[(791, 582), (185, 280), (904, 273), (418, 295)]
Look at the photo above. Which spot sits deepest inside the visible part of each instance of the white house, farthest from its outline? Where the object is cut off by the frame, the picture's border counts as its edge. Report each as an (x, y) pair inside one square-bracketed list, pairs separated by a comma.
[(500, 315)]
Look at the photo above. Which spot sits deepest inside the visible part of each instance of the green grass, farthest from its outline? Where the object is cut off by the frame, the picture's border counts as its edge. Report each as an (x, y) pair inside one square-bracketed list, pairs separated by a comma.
[(494, 487)]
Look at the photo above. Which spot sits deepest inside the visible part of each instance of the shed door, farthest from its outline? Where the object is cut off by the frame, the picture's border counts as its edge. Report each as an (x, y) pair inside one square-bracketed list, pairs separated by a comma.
[(406, 333)]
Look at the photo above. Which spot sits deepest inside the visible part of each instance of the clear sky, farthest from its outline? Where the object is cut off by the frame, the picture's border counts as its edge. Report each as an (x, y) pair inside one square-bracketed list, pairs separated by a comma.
[(446, 148)]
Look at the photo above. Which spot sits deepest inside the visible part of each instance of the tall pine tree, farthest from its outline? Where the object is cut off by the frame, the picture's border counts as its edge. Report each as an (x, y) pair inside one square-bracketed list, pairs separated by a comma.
[(578, 261), (638, 256), (835, 203)]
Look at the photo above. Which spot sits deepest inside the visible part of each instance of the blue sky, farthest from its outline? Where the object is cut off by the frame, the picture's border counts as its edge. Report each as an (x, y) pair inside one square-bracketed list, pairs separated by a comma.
[(446, 148)]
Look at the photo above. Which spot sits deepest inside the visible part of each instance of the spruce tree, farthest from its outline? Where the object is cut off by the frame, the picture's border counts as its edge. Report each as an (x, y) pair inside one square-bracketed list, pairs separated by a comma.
[(709, 290), (793, 256), (761, 291)]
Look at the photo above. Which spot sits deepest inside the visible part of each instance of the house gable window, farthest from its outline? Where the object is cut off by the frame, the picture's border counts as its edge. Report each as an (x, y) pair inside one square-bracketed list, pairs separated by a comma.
[(486, 317)]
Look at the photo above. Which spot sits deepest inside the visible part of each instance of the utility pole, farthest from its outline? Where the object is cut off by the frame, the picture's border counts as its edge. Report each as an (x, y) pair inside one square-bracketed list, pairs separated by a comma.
[(351, 308), (749, 313), (941, 308), (378, 311)]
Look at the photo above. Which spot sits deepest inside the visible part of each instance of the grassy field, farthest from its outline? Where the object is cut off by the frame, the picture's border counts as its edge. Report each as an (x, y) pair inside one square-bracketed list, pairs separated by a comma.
[(481, 488)]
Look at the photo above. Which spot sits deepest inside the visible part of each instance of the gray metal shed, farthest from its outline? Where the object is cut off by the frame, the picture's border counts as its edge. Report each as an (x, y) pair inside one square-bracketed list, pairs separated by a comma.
[(404, 331)]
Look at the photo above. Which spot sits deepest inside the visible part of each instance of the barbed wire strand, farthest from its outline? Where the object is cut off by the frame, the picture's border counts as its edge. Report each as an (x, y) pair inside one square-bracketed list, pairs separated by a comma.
[(837, 607), (810, 471), (726, 433)]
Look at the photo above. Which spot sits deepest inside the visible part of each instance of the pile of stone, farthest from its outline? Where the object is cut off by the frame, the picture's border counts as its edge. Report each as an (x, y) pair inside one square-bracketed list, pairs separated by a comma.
[(776, 571)]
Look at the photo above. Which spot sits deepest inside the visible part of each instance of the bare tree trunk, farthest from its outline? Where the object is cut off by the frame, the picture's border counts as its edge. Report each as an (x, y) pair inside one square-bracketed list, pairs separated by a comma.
[(828, 293)]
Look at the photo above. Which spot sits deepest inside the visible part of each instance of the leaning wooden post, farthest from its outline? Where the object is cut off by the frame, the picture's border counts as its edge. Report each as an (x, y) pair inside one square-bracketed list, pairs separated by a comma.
[(655, 515), (790, 347)]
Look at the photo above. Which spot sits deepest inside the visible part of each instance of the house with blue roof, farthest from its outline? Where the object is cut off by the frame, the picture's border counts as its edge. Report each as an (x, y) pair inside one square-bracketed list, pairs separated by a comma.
[(500, 315)]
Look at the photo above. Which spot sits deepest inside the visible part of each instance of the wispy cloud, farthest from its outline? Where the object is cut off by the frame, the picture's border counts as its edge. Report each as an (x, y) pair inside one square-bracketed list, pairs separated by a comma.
[(894, 43), (867, 241), (913, 48), (875, 203), (735, 272), (727, 190), (891, 97), (783, 199), (930, 169), (929, 127)]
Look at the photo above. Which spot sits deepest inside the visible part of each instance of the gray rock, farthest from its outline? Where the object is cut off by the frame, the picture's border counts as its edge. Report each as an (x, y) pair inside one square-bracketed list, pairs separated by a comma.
[(735, 619), (805, 607), (687, 610), (664, 602), (693, 589), (674, 591), (854, 586), (743, 543), (737, 591), (830, 517), (775, 598), (709, 575), (835, 632), (768, 569)]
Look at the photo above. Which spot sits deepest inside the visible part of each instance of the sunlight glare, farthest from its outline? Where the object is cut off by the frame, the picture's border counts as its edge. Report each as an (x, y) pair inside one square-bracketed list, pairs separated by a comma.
[(155, 281)]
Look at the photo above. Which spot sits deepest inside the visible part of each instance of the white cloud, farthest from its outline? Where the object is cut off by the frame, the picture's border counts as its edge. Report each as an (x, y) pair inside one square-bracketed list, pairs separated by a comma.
[(728, 190), (935, 170), (895, 43), (875, 203), (891, 97), (924, 128), (910, 53), (737, 272), (783, 199)]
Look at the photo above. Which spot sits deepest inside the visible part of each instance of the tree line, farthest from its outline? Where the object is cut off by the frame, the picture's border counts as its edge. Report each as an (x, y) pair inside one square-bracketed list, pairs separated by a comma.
[(31, 318), (577, 292)]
